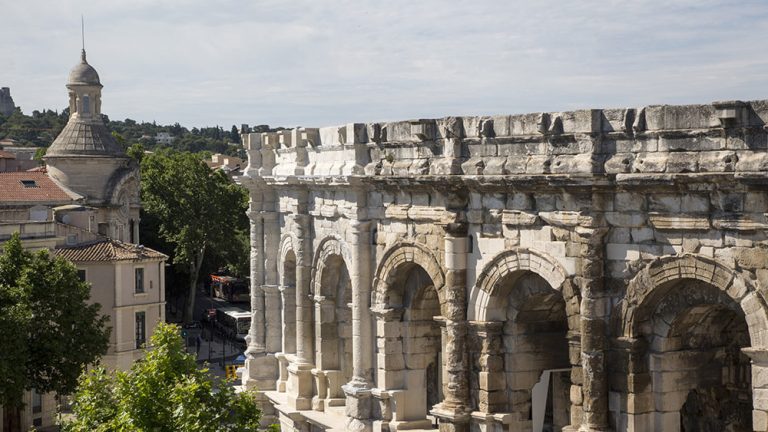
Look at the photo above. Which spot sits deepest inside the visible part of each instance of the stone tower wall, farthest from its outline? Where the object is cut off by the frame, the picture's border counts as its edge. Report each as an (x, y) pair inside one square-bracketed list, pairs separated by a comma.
[(6, 102)]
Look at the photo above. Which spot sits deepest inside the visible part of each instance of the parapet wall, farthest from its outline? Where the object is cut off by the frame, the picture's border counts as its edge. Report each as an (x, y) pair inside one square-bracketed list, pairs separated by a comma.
[(719, 137)]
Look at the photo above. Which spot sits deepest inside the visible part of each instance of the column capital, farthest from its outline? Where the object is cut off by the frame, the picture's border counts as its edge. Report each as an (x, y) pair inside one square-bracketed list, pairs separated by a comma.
[(456, 229), (360, 225), (757, 355), (487, 327)]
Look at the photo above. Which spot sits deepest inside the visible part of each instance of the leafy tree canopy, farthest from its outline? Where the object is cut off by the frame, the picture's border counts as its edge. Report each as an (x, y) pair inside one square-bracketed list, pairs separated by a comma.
[(198, 210), (163, 392), (49, 331)]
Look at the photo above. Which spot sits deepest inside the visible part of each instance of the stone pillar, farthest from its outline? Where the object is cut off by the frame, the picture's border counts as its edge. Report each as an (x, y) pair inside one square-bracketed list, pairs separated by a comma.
[(288, 328), (358, 390), (260, 369), (256, 333), (273, 320), (759, 358), (327, 346), (454, 410), (595, 307), (491, 379), (637, 414), (300, 370)]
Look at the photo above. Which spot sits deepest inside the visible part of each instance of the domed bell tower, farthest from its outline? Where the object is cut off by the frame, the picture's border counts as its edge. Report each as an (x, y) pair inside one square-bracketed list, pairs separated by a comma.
[(87, 159)]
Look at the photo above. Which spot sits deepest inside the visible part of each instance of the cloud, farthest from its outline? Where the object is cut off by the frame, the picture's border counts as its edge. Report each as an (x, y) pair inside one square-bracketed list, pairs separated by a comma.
[(315, 63)]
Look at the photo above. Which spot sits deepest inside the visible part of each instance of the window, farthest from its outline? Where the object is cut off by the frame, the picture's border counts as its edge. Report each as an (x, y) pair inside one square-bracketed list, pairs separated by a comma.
[(139, 280), (86, 104), (81, 275), (29, 183), (141, 329), (103, 227), (37, 402)]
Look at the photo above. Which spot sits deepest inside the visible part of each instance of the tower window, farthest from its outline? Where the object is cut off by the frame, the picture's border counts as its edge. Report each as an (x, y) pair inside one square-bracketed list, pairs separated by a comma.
[(86, 104), (29, 183)]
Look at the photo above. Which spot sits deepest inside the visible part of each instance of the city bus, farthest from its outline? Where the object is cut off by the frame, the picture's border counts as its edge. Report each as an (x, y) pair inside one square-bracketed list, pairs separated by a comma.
[(233, 321), (230, 288)]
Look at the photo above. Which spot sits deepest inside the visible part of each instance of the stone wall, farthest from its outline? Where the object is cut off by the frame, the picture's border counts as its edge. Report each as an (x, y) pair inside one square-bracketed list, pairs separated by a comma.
[(586, 270)]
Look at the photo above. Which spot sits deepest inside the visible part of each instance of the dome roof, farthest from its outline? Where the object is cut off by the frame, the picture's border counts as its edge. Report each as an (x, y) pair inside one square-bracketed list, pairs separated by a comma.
[(83, 74), (80, 138)]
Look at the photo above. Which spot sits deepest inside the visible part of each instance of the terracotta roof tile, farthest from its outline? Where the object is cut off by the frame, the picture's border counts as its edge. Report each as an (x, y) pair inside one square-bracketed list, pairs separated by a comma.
[(109, 250), (26, 186), (7, 155)]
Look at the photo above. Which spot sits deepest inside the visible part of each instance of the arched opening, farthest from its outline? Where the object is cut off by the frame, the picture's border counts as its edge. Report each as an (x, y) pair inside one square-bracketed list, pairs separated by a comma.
[(533, 346), (700, 378), (288, 316), (333, 329), (422, 341), (409, 348)]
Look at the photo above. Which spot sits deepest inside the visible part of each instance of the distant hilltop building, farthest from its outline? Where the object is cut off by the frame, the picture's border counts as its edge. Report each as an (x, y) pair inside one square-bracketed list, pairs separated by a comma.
[(6, 102), (164, 138)]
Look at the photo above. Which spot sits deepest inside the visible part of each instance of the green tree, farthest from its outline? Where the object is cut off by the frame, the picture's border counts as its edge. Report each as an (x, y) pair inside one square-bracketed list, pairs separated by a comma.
[(198, 210), (164, 392), (49, 331), (136, 151), (39, 153)]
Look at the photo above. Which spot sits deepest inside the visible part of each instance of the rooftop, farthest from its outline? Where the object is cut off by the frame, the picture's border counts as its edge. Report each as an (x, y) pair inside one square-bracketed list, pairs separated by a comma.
[(109, 250), (31, 186)]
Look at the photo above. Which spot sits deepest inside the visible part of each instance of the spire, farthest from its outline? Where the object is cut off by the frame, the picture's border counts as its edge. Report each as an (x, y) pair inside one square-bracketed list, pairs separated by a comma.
[(82, 35)]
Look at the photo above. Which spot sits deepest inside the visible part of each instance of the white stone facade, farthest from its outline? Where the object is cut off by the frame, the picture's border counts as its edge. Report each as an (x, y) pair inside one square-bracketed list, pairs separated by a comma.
[(589, 270)]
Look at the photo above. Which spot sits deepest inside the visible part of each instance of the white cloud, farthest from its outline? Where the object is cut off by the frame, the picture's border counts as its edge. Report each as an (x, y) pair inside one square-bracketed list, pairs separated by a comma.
[(314, 63)]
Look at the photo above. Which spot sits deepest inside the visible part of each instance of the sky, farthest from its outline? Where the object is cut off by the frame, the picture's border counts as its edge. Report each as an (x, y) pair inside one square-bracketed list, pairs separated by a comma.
[(318, 63)]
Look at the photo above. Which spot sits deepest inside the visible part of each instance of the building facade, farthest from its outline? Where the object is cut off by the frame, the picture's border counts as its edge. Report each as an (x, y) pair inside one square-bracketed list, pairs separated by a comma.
[(589, 270), (85, 206)]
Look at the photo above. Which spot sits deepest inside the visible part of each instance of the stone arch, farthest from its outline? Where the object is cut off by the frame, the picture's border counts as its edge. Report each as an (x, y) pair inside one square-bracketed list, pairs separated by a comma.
[(288, 244), (400, 254), (120, 182), (330, 246), (686, 328), (649, 285), (409, 299), (287, 286), (517, 260), (331, 287), (526, 313)]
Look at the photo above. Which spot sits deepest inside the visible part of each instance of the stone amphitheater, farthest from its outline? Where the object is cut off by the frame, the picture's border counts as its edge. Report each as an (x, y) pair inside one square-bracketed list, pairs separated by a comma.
[(592, 270)]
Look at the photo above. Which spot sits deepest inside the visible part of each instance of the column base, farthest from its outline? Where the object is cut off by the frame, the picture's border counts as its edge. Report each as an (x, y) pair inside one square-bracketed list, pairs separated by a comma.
[(358, 405), (260, 372), (300, 386), (451, 419)]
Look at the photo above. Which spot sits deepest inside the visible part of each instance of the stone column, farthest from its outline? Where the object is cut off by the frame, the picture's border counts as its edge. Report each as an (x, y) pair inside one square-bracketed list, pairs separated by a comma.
[(491, 379), (300, 370), (273, 321), (358, 390), (639, 408), (595, 307), (326, 348), (454, 410), (261, 370), (256, 333), (759, 358)]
